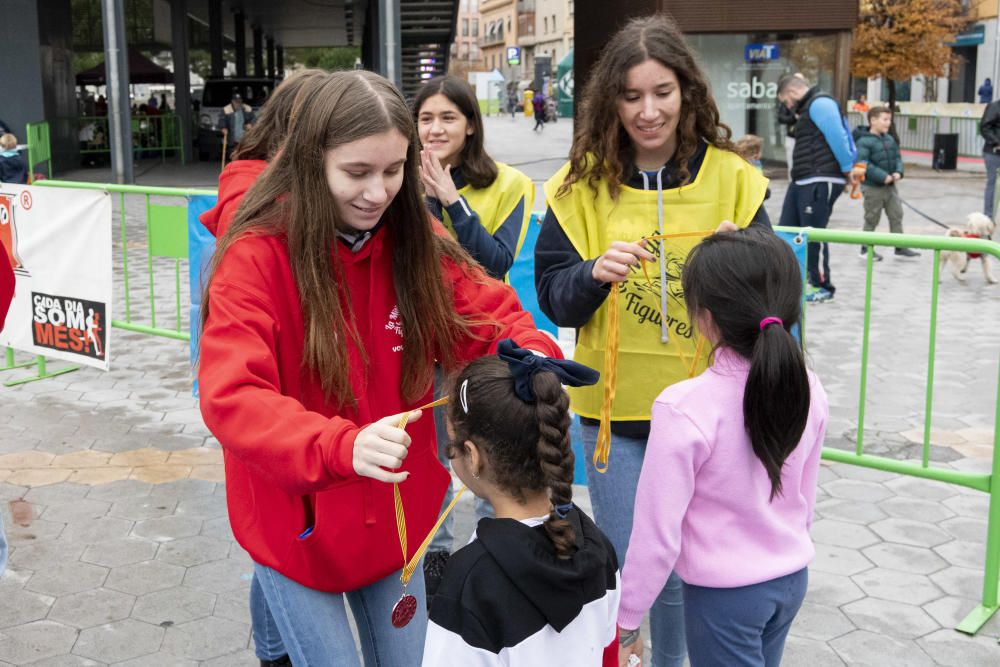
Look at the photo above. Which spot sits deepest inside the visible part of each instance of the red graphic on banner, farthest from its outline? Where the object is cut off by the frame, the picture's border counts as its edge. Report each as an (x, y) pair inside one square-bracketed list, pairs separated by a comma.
[(8, 232)]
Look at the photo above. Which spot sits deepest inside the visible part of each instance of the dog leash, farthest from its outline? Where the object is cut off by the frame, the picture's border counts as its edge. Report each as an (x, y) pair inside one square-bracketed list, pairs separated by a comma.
[(922, 214)]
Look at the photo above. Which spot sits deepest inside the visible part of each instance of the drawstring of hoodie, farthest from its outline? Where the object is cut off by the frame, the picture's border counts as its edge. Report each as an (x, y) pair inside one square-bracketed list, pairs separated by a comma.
[(664, 335)]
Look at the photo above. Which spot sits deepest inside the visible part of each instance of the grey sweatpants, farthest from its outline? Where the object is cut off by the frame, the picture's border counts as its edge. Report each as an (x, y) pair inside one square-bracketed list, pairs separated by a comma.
[(879, 198)]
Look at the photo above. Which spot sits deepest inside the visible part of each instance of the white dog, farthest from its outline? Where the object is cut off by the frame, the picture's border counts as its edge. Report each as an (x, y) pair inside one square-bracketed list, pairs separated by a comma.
[(978, 226)]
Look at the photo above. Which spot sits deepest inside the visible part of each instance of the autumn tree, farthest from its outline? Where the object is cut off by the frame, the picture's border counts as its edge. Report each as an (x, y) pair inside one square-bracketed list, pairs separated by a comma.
[(900, 39)]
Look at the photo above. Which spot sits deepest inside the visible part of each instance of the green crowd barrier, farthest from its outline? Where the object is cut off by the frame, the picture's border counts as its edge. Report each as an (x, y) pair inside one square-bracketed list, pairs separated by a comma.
[(39, 147), (166, 237), (987, 483), (159, 133)]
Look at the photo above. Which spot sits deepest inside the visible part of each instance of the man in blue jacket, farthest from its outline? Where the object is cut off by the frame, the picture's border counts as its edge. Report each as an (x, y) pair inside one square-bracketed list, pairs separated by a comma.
[(822, 164), (880, 152)]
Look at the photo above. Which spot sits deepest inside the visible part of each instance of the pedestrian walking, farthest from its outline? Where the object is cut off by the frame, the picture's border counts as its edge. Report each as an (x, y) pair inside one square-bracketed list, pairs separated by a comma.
[(989, 127), (728, 484), (986, 92), (676, 173), (331, 294), (822, 163), (538, 106), (541, 570), (485, 205), (884, 168), (13, 168)]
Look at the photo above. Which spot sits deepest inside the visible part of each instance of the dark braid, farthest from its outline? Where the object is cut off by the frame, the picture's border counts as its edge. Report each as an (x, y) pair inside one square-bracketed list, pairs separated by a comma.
[(556, 457)]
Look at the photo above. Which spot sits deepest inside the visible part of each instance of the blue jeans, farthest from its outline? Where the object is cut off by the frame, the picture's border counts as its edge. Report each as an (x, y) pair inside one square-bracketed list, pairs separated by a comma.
[(744, 626), (266, 638), (612, 495), (992, 161), (315, 629), (444, 539)]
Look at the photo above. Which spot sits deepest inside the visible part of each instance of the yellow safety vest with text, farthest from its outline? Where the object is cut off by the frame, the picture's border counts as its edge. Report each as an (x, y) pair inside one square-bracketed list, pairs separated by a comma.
[(726, 187), (495, 203)]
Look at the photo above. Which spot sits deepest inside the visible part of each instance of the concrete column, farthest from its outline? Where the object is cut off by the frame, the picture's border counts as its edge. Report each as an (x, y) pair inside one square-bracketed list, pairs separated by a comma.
[(258, 52), (279, 56), (215, 37), (239, 26), (119, 115), (270, 58), (182, 77), (391, 55)]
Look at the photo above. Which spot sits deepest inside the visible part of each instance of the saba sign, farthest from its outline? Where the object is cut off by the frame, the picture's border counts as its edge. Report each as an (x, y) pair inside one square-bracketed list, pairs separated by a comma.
[(755, 53)]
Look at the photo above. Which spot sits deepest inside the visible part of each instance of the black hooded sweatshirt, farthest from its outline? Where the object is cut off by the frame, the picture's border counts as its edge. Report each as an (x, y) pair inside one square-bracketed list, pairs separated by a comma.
[(506, 599)]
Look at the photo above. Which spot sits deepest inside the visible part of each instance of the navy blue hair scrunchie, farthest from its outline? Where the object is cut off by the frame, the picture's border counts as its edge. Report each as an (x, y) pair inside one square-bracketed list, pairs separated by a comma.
[(525, 363)]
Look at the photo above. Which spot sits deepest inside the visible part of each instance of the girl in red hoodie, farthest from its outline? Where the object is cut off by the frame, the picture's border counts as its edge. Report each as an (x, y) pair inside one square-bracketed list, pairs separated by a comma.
[(331, 295)]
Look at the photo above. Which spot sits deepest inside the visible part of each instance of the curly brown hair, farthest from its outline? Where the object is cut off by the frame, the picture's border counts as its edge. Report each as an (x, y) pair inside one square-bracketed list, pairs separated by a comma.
[(602, 149)]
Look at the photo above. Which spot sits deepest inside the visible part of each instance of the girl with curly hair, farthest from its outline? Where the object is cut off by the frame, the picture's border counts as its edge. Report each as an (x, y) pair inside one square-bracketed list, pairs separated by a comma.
[(650, 158)]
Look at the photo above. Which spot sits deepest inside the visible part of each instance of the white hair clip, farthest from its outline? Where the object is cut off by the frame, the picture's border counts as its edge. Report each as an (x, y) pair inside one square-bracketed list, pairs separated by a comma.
[(463, 395)]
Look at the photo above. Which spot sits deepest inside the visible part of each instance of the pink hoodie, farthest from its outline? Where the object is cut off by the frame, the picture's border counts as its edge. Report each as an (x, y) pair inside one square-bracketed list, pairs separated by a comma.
[(702, 506)]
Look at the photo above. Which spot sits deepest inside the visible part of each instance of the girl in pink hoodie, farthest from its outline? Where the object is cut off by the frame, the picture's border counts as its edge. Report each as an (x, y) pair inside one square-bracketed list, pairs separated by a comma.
[(728, 485)]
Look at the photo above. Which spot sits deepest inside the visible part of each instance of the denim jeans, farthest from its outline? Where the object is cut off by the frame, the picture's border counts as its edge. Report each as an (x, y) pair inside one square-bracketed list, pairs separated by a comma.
[(744, 626), (266, 638), (612, 495), (992, 161), (810, 205), (3, 549), (444, 539), (316, 632)]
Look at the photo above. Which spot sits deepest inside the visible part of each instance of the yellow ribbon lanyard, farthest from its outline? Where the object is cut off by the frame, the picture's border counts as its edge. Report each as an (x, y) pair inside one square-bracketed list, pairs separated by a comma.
[(409, 566), (603, 448)]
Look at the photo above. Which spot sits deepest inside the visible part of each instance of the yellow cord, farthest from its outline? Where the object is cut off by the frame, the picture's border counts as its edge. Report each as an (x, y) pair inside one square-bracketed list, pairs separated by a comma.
[(602, 449), (410, 565)]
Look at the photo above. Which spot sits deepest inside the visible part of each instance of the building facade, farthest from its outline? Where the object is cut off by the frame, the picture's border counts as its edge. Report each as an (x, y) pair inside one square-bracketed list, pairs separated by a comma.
[(465, 52)]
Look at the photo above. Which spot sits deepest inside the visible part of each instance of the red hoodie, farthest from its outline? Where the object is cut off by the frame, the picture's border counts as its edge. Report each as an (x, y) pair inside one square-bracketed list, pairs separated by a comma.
[(7, 282), (234, 181), (288, 453)]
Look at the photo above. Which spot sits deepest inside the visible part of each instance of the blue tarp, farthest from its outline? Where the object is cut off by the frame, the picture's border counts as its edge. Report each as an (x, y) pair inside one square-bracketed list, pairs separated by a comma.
[(201, 245)]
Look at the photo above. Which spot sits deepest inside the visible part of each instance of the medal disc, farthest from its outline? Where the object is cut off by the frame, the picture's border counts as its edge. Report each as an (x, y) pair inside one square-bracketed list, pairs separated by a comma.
[(403, 610)]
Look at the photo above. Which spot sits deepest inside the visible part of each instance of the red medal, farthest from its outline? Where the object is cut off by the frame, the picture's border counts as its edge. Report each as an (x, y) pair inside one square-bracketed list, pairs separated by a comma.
[(403, 610)]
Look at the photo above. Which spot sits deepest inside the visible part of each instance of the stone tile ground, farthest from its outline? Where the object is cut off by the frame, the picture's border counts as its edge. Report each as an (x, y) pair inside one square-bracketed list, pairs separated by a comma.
[(111, 487)]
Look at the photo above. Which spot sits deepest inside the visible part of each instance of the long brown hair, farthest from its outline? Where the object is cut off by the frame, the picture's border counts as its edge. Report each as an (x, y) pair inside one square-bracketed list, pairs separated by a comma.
[(270, 127), (478, 167), (602, 149), (526, 444), (292, 199)]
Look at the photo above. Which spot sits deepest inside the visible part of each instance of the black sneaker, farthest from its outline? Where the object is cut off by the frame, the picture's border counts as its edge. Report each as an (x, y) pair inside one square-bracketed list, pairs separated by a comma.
[(906, 252), (283, 661), (864, 253), (434, 564)]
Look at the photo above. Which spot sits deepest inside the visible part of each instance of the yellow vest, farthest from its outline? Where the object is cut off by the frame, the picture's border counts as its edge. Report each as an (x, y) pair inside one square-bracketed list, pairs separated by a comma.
[(495, 203), (725, 188)]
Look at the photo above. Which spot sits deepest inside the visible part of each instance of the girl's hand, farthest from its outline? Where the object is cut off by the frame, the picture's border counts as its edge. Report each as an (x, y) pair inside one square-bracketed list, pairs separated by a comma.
[(437, 178), (631, 655), (383, 445), (613, 266)]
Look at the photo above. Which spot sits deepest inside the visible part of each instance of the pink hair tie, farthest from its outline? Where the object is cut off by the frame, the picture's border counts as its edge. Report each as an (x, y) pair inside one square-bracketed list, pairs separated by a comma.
[(771, 320)]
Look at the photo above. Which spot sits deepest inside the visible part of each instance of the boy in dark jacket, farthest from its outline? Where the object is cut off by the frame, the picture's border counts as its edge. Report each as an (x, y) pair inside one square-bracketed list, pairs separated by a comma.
[(879, 150)]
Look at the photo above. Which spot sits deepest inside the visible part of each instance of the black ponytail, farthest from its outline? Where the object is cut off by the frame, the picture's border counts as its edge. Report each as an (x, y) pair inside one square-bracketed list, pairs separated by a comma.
[(526, 444), (741, 278)]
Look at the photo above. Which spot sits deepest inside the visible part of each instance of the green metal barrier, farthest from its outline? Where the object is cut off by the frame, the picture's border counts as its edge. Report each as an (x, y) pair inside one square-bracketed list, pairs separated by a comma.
[(39, 147), (166, 236), (988, 483), (159, 133)]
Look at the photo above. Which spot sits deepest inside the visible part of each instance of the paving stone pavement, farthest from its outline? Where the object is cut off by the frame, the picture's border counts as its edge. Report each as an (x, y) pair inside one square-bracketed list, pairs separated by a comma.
[(112, 489)]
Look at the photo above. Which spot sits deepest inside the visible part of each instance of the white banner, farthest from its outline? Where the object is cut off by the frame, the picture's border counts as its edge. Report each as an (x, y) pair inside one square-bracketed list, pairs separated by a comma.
[(59, 242)]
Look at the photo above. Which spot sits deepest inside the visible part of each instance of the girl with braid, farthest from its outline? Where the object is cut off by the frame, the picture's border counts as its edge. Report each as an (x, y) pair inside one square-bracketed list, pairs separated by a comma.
[(538, 584)]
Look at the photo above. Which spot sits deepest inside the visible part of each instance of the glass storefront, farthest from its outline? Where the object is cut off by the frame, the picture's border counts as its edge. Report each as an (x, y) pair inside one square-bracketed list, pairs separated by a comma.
[(743, 71)]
